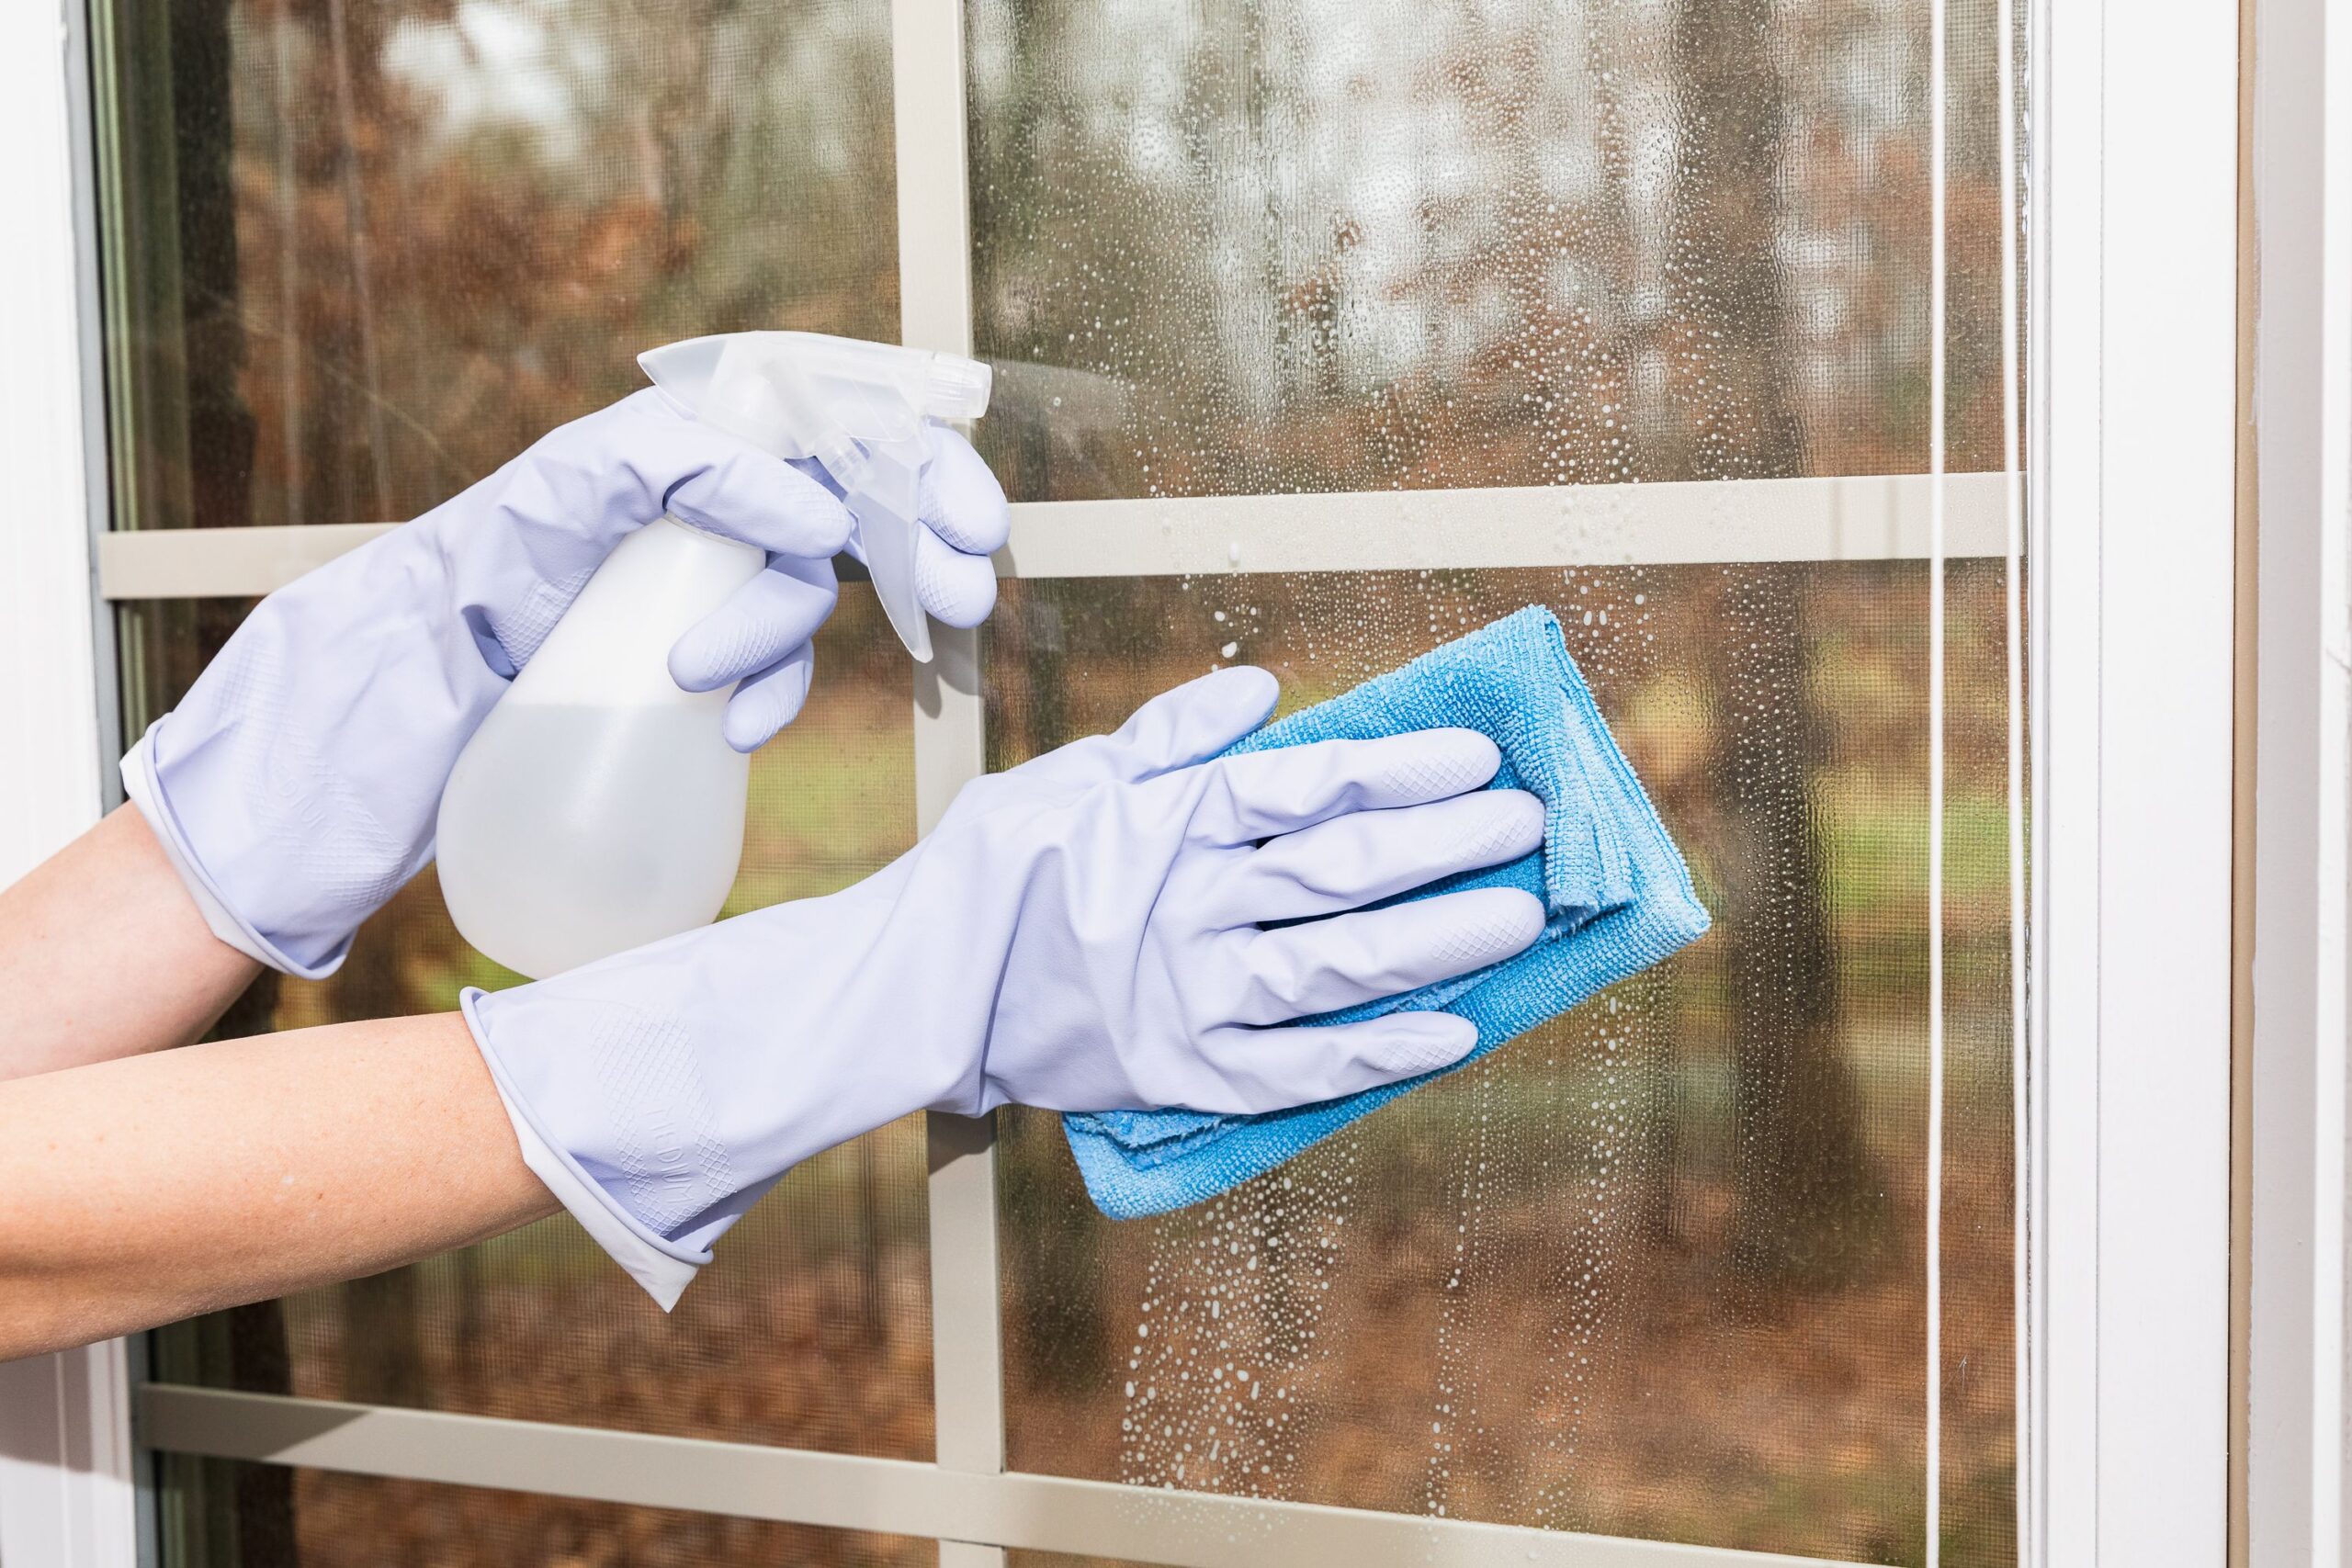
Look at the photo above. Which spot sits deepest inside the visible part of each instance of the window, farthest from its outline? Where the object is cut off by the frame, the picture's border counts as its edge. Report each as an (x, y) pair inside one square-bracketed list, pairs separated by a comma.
[(1324, 332)]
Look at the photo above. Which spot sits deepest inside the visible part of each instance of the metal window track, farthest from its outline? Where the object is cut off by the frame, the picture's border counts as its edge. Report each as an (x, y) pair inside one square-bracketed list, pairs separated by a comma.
[(990, 1511)]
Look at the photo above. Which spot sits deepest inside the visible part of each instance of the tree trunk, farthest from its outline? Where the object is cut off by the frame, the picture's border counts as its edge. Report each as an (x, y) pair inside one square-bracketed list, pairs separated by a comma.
[(1808, 1206)]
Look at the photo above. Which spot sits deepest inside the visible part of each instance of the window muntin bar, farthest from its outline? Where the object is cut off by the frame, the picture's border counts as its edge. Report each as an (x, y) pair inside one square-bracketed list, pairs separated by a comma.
[(847, 1491), (1860, 518)]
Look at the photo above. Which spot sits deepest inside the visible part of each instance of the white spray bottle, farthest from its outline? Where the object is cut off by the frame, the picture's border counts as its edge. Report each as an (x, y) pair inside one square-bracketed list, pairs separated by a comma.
[(598, 808)]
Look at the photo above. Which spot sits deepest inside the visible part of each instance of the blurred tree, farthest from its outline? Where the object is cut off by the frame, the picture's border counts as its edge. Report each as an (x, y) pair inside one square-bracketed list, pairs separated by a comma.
[(1809, 1206), (446, 227)]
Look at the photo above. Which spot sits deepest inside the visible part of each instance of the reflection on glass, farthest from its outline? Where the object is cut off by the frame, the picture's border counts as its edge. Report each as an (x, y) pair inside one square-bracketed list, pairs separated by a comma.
[(367, 253), (813, 1330), (1655, 1269), (1357, 244), (220, 1514)]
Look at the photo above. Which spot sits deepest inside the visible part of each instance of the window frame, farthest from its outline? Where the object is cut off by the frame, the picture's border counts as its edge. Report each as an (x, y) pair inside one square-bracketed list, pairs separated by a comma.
[(68, 1469), (2135, 220), (2127, 1333), (2291, 1494)]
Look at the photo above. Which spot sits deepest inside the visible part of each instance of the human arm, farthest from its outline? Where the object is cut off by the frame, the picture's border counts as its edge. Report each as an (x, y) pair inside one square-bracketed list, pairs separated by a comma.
[(103, 953), (141, 1191), (1130, 921)]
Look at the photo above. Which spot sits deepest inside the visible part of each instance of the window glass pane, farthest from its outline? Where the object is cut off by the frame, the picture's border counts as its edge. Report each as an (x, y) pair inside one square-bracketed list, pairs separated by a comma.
[(1657, 1268), (220, 1514), (365, 253), (813, 1330), (1356, 244)]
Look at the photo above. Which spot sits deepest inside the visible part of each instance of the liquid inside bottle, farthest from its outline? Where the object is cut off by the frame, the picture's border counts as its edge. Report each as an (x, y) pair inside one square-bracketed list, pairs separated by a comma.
[(599, 808)]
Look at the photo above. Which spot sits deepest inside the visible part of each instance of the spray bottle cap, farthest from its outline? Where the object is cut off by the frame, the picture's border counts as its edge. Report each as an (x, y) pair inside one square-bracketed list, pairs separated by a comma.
[(857, 408), (956, 388)]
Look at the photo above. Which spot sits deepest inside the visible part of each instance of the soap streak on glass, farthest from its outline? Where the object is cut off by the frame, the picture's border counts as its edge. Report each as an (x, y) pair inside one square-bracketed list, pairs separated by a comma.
[(1332, 245), (1258, 249), (1651, 1269)]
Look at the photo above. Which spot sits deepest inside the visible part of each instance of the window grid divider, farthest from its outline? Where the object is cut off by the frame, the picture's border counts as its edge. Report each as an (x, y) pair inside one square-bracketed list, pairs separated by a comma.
[(1042, 1513), (950, 750), (1853, 518)]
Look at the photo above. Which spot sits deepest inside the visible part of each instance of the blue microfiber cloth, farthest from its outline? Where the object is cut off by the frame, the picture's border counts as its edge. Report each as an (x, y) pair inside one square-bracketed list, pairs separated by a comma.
[(1619, 894)]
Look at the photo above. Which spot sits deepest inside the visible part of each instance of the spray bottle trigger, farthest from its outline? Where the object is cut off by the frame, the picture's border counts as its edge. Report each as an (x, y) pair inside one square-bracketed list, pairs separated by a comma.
[(857, 409), (887, 541)]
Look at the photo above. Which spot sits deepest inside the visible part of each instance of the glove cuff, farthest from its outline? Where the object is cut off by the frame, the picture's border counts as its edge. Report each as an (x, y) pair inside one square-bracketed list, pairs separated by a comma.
[(140, 782), (663, 1267)]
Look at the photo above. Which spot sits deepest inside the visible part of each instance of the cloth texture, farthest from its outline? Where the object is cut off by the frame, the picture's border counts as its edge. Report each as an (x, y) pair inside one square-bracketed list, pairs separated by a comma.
[(1616, 893)]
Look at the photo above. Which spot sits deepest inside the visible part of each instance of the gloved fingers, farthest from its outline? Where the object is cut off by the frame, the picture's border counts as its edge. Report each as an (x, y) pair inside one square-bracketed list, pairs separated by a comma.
[(738, 492), (1182, 725), (1324, 966), (957, 588), (1269, 793), (763, 620), (769, 700), (1274, 1069), (960, 500), (814, 472), (589, 483), (1366, 856)]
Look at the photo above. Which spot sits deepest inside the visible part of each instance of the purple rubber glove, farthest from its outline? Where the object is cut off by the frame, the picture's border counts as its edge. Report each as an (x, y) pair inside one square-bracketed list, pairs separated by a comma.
[(295, 787), (1129, 922)]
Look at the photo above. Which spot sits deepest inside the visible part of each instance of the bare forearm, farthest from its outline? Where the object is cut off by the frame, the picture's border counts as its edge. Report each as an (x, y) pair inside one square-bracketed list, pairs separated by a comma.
[(103, 954), (139, 1191)]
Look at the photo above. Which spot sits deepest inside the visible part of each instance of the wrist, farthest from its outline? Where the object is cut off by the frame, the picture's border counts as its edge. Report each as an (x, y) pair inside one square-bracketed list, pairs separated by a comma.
[(146, 795), (659, 1093), (294, 787), (663, 1267)]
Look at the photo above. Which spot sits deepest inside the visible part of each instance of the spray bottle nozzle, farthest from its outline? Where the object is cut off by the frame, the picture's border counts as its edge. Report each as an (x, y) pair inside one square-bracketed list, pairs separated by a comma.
[(857, 409), (957, 387)]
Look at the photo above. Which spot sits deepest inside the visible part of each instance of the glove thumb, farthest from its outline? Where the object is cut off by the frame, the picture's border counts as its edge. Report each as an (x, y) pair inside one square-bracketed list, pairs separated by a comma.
[(1175, 730)]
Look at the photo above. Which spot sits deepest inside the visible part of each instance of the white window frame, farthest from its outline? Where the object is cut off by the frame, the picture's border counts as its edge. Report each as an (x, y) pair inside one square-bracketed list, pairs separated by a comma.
[(67, 1492), (2134, 330), (2291, 1269)]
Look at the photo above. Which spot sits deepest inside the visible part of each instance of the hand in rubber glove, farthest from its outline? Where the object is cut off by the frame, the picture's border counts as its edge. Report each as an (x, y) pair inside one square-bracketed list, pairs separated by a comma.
[(965, 521), (1087, 931), (295, 786)]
